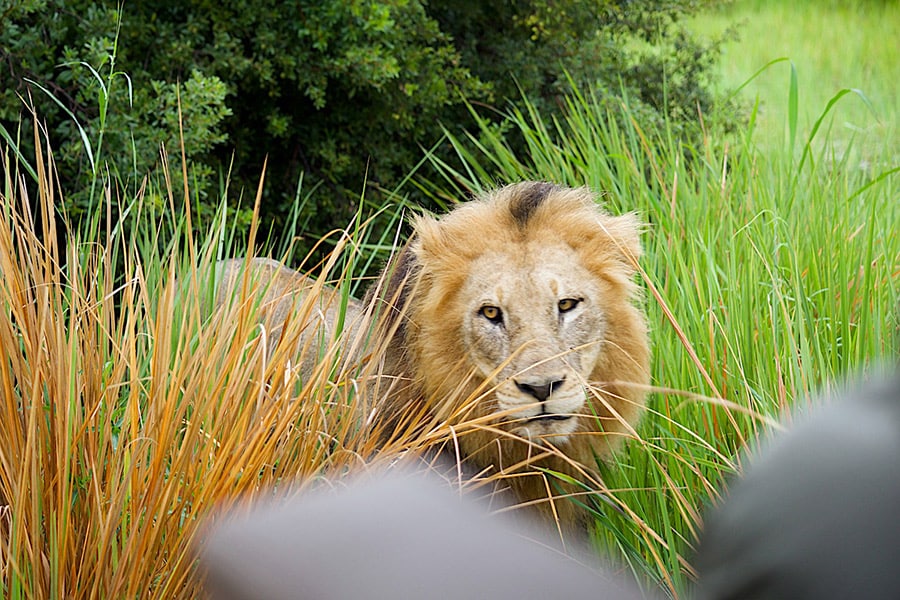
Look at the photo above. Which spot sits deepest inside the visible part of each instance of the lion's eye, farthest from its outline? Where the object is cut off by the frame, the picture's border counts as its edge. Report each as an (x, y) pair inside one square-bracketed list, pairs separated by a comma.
[(492, 314), (567, 304)]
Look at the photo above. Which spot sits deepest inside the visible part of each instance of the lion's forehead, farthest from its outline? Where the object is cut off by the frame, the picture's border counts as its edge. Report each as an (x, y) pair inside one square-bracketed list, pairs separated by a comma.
[(527, 278)]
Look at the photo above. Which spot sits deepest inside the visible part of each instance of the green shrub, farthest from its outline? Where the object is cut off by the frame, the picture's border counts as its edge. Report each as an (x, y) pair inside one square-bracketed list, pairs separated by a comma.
[(639, 48), (65, 60), (340, 95)]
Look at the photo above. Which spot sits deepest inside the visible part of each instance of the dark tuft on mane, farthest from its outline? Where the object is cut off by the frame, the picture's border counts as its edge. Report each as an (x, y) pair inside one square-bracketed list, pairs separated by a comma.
[(528, 200)]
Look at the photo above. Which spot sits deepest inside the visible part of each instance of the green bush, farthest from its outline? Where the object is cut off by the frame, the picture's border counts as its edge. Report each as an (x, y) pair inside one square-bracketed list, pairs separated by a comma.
[(341, 95), (636, 48)]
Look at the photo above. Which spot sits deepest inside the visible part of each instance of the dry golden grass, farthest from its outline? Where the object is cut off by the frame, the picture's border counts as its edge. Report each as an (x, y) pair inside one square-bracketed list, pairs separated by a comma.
[(129, 414)]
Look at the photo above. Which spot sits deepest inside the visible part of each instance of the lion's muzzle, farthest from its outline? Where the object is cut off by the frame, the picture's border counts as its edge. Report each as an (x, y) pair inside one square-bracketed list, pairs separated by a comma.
[(540, 389)]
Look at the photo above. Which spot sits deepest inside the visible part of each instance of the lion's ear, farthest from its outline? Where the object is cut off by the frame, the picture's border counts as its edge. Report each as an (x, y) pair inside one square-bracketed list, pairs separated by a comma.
[(428, 240), (623, 237)]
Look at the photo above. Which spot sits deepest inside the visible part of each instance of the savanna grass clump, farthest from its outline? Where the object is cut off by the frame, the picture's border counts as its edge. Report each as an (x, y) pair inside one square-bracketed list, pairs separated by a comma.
[(137, 408)]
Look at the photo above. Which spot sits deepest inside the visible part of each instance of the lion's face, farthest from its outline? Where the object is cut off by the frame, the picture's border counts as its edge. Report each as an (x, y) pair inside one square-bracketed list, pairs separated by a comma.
[(518, 309), (533, 328), (516, 313)]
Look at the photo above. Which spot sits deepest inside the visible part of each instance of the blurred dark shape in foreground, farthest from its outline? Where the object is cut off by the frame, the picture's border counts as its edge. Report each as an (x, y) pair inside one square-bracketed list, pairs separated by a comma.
[(816, 514), (401, 536), (813, 517)]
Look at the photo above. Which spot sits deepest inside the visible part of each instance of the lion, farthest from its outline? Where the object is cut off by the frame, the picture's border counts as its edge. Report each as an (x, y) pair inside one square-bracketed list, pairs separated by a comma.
[(516, 311)]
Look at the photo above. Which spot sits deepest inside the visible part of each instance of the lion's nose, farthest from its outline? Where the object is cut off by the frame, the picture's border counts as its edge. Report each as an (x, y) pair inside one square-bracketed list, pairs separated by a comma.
[(541, 390)]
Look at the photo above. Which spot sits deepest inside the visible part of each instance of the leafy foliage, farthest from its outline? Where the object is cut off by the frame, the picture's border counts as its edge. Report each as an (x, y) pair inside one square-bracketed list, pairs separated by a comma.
[(336, 94), (614, 47), (64, 60)]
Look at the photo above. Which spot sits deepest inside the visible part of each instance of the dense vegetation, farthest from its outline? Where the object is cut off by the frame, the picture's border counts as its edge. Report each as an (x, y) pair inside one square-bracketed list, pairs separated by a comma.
[(129, 415), (342, 96)]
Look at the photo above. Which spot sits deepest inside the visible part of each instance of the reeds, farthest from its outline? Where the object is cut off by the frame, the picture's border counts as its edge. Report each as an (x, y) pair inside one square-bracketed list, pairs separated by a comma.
[(137, 407)]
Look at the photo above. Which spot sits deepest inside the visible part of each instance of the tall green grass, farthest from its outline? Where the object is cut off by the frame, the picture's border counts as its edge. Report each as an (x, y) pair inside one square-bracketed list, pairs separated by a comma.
[(766, 280), (827, 45)]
